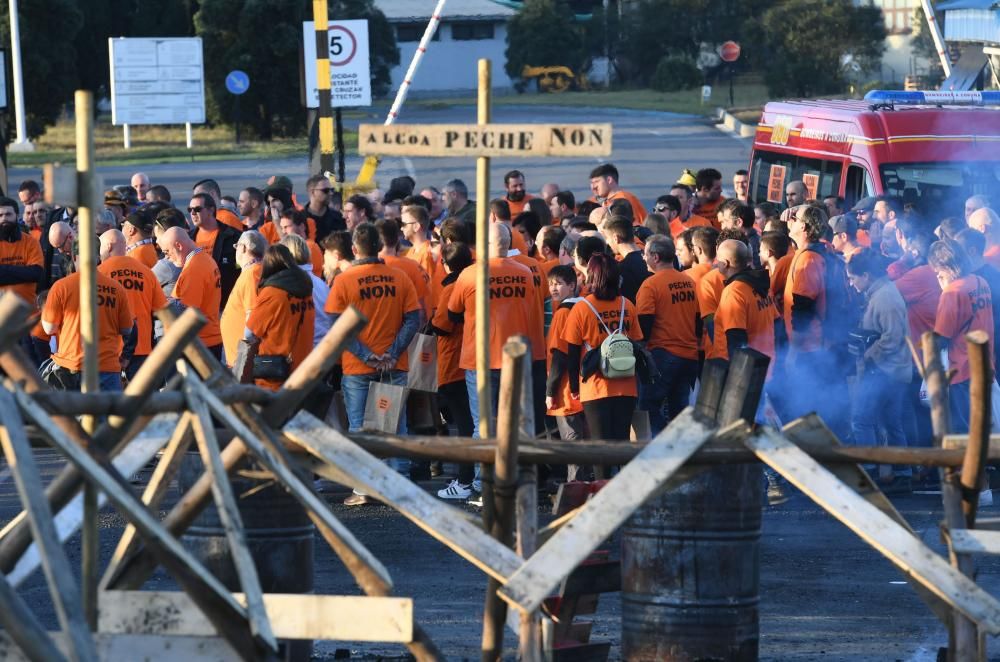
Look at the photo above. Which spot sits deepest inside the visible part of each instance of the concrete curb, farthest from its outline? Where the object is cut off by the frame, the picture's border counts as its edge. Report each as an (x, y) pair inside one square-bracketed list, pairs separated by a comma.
[(728, 123)]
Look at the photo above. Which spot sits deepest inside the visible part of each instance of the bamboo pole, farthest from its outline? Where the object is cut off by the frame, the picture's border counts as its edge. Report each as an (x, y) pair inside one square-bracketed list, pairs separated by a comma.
[(483, 264), (980, 415), (505, 486)]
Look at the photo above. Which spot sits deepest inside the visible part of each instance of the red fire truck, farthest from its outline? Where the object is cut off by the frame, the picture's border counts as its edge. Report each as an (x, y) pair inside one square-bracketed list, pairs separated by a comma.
[(933, 149)]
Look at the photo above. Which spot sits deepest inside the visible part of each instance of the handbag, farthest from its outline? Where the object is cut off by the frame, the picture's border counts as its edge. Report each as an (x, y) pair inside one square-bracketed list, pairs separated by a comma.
[(272, 367), (384, 407), (423, 373)]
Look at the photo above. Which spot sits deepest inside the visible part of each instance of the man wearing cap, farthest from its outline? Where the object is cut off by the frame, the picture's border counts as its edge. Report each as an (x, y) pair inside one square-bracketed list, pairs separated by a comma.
[(278, 200), (116, 204), (845, 235), (325, 219), (139, 243), (224, 216), (862, 211), (215, 239)]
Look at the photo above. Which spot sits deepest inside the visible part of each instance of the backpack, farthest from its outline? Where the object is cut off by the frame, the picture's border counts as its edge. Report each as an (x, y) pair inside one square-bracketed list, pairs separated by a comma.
[(844, 304), (616, 351)]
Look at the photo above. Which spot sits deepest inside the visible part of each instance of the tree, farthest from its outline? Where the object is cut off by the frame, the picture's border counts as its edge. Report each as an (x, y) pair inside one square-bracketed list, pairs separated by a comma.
[(543, 33), (805, 44), (48, 60)]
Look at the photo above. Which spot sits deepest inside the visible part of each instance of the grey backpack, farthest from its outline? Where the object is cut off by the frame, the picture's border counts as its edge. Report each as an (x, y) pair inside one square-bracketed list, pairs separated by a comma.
[(616, 351)]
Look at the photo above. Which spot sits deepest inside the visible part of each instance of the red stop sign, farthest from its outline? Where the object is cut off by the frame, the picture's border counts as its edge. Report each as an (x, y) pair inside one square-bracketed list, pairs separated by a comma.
[(730, 51)]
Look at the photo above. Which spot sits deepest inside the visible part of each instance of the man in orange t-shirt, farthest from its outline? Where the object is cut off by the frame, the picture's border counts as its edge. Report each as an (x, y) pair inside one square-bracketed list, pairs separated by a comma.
[(139, 243), (686, 197), (217, 240), (516, 196), (708, 192), (513, 311), (708, 288), (293, 221), (61, 318), (211, 188), (388, 231), (746, 312), (414, 226), (199, 284), (386, 297), (21, 261), (604, 186), (143, 291), (500, 213), (249, 253), (667, 306)]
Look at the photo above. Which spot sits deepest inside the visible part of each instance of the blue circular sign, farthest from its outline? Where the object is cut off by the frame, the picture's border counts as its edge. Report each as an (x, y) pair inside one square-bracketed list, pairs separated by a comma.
[(237, 82)]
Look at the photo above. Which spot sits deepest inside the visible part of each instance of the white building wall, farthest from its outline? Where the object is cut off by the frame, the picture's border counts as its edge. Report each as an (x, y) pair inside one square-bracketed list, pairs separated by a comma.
[(450, 65)]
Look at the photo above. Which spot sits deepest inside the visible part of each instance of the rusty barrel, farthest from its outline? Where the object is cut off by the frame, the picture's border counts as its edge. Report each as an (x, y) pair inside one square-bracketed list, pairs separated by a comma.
[(691, 570), (279, 535)]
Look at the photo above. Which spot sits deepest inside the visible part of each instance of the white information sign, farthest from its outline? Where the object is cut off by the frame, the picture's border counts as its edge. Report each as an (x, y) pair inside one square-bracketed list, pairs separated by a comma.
[(350, 65), (157, 81)]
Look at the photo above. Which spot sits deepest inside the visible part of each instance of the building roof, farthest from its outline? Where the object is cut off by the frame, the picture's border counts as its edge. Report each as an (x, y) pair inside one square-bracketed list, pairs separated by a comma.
[(965, 4), (416, 10)]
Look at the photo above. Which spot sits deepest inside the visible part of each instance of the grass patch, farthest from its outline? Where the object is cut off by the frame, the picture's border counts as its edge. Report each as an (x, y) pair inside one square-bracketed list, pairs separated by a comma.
[(684, 101), (159, 144)]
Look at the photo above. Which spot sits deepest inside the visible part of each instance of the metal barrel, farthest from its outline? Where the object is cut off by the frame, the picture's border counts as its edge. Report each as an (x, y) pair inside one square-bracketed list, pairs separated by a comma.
[(691, 570), (279, 534)]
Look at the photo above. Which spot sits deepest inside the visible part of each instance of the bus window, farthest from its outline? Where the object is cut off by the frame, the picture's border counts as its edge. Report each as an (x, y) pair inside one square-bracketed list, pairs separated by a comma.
[(939, 189), (859, 185), (769, 169)]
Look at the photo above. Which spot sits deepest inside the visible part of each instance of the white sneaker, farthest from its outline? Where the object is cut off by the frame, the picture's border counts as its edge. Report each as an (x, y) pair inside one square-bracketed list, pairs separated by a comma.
[(455, 490), (476, 500)]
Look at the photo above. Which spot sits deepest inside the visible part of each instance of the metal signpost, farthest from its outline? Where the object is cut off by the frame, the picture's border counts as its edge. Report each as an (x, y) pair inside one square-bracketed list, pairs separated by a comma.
[(157, 81)]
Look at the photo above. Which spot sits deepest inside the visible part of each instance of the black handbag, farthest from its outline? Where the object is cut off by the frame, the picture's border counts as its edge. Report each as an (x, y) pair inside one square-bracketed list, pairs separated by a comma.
[(859, 340), (272, 367)]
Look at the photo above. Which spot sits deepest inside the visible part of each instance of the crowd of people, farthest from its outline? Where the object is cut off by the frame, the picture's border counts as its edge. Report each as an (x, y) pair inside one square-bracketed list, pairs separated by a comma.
[(621, 306)]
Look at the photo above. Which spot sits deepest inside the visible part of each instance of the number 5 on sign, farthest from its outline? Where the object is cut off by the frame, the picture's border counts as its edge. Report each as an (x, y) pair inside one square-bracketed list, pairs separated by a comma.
[(350, 68)]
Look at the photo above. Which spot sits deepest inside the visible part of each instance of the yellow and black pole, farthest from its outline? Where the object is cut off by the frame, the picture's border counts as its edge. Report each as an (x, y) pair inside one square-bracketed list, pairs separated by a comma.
[(321, 20)]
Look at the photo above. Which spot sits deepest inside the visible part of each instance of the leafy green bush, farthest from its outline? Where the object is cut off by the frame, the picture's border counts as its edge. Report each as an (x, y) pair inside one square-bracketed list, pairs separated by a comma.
[(675, 72)]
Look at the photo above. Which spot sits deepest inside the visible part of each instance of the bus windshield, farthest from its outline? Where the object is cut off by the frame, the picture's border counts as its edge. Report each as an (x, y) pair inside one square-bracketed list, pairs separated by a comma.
[(939, 189)]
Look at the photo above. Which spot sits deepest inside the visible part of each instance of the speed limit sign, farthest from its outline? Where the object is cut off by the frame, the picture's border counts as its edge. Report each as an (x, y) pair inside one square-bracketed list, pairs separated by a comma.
[(350, 67)]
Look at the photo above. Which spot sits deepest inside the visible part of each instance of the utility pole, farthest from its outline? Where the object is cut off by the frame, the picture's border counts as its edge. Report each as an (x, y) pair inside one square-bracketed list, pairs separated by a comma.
[(21, 143)]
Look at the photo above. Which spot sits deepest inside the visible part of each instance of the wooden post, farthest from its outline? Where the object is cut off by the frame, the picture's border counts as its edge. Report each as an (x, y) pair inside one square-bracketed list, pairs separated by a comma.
[(483, 264), (505, 486), (980, 415), (937, 388), (321, 20), (87, 208), (530, 639), (713, 380)]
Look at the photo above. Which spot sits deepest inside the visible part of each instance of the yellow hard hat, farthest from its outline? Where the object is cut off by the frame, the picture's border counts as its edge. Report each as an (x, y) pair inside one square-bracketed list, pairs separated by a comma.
[(687, 178)]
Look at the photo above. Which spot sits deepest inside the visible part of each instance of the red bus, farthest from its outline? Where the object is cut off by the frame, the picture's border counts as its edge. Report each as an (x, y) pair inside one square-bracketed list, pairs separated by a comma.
[(932, 149)]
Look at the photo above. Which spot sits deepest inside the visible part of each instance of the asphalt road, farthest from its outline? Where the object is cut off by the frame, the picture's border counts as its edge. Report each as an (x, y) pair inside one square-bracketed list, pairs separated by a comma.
[(650, 150)]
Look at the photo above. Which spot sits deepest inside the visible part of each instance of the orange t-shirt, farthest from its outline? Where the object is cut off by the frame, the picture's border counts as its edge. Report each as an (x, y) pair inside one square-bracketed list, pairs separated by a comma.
[(205, 239), (200, 286), (513, 308), (582, 328), (517, 207), (710, 209), (271, 232), (316, 255), (36, 232), (536, 332), (677, 226), (638, 210), (284, 324), (113, 316), (921, 291), (382, 294), (517, 242), (778, 279), (144, 252), (697, 272), (227, 217), (546, 267), (25, 252), (143, 292), (450, 346), (562, 402), (965, 306), (669, 295), (806, 277), (416, 274), (238, 306), (709, 291), (742, 307), (423, 256)]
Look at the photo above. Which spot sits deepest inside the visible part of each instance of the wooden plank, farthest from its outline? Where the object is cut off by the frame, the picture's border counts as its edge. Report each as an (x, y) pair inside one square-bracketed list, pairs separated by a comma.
[(55, 564), (229, 515), (808, 433), (292, 482), (432, 515), (67, 521), (485, 140), (606, 511), (960, 441), (876, 528), (292, 616), (135, 647), (211, 596), (154, 493), (975, 541)]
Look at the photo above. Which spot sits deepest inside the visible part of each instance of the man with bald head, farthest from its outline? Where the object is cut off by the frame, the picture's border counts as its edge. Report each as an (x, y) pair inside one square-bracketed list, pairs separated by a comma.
[(143, 291), (140, 182), (795, 193), (61, 238), (549, 191), (746, 312), (985, 220), (199, 285), (973, 203)]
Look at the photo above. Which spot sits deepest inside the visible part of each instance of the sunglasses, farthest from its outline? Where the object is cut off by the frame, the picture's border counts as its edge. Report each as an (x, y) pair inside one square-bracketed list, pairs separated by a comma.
[(195, 210), (660, 208)]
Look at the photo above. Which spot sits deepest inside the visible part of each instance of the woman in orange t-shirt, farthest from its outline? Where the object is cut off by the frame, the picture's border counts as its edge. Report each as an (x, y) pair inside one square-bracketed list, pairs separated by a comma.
[(608, 403), (283, 316)]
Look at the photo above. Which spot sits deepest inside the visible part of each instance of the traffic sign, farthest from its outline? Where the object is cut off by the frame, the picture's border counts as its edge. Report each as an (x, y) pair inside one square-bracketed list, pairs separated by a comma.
[(237, 82), (350, 66), (572, 140), (730, 51)]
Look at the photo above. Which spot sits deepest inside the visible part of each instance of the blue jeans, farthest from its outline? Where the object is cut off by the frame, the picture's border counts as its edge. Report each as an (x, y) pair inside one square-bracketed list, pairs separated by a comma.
[(355, 389), (959, 400), (110, 382), (672, 390), (470, 385), (879, 405)]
